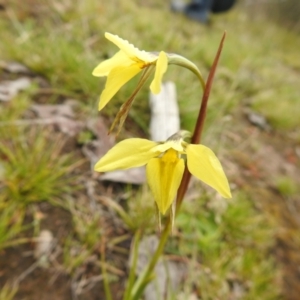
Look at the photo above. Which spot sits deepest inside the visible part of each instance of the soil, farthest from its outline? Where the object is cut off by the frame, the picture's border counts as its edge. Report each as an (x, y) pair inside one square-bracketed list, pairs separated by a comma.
[(38, 282)]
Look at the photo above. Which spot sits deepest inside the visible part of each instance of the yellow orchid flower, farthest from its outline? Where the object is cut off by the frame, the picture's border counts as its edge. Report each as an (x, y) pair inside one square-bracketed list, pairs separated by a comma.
[(127, 63), (165, 166)]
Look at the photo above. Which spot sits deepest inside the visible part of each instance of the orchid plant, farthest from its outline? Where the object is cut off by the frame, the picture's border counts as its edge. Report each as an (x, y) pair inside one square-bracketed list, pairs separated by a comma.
[(170, 163)]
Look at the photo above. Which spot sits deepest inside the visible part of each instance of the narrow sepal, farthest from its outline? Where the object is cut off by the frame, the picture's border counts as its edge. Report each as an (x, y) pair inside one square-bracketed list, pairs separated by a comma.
[(129, 153)]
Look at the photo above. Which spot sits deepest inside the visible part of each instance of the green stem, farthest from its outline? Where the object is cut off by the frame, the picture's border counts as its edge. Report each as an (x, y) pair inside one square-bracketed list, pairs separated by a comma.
[(183, 62), (138, 288)]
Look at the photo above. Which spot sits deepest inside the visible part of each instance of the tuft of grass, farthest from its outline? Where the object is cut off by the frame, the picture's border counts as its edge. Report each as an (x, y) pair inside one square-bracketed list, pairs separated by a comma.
[(11, 221), (34, 167)]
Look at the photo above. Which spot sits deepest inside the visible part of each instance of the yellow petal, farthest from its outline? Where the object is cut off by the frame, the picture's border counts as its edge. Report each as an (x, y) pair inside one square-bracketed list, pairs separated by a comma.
[(118, 60), (161, 68), (164, 176), (130, 50), (127, 154), (115, 80), (204, 165)]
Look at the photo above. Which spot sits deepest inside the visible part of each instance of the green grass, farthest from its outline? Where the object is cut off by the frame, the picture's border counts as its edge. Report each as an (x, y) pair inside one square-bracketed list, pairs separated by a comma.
[(11, 221), (227, 245), (231, 242), (34, 168), (69, 43)]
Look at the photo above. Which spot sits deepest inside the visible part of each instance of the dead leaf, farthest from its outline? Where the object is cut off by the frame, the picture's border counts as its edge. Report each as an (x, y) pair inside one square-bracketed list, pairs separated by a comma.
[(61, 115), (99, 129), (47, 111)]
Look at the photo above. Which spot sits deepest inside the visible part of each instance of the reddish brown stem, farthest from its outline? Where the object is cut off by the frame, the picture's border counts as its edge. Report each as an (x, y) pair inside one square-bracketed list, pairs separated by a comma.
[(196, 138)]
